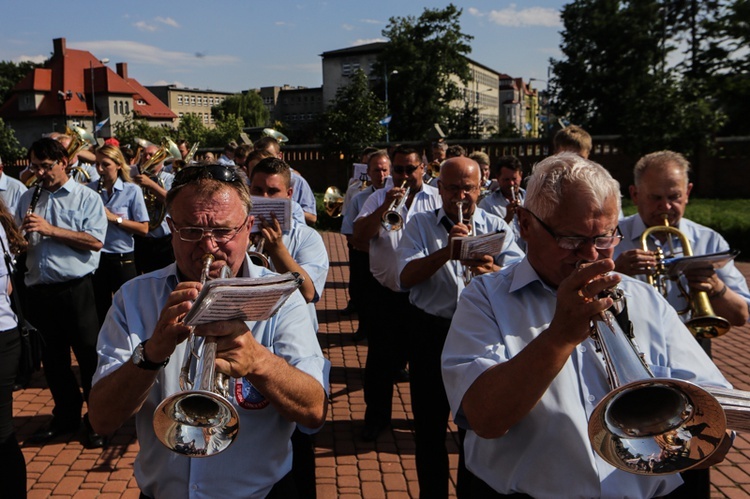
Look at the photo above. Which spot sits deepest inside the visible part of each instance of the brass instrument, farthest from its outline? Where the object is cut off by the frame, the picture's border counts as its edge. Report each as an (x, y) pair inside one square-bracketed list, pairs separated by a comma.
[(198, 421), (466, 271), (703, 323), (653, 426), (333, 201), (80, 139), (256, 255), (392, 219), (191, 153), (280, 137), (433, 169), (157, 210)]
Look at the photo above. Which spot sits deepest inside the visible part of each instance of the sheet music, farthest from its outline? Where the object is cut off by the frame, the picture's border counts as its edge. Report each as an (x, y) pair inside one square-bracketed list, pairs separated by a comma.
[(677, 266), (245, 298), (359, 170), (472, 247), (281, 207)]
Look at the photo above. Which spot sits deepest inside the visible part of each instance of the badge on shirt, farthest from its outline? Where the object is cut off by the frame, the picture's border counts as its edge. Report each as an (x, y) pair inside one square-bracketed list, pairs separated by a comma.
[(247, 396)]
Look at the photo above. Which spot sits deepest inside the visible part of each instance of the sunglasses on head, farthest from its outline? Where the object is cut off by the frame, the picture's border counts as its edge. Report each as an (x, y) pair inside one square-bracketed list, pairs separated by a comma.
[(222, 173)]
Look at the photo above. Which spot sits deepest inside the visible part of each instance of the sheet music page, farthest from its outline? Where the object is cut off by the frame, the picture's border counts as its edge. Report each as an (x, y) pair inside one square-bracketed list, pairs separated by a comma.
[(471, 247), (359, 170), (677, 266), (281, 207), (245, 298)]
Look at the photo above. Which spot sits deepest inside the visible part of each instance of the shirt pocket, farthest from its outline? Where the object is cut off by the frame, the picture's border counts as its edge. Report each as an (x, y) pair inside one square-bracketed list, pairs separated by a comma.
[(69, 219)]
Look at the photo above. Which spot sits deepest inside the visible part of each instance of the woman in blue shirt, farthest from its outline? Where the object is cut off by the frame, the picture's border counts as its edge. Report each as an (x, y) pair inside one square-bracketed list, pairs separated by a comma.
[(127, 215)]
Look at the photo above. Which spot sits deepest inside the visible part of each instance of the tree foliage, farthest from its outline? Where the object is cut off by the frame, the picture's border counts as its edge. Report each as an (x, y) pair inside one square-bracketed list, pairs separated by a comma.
[(11, 73), (351, 122), (10, 149), (247, 105), (421, 56)]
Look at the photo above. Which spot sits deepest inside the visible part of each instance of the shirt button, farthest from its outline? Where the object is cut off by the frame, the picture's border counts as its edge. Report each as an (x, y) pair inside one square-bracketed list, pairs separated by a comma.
[(581, 348), (194, 486), (591, 398)]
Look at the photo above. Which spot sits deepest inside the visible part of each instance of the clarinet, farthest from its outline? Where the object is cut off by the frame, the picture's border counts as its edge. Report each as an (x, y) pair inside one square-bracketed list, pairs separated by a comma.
[(33, 237)]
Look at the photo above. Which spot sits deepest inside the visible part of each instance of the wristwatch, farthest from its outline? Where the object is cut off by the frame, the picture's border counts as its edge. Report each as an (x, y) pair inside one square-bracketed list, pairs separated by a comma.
[(140, 360), (118, 220)]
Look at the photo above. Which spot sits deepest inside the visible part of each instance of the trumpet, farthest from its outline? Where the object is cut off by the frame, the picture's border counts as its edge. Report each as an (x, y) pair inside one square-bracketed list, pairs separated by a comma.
[(198, 421), (256, 255), (654, 426), (703, 322), (392, 219)]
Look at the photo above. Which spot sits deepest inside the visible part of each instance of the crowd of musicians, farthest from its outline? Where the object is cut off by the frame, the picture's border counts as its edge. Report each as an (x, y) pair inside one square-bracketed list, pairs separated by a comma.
[(505, 339)]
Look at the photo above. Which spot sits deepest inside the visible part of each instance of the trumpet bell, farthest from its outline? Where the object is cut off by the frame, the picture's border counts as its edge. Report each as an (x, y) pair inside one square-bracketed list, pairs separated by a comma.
[(333, 201), (708, 326), (657, 426), (280, 137), (196, 423), (391, 221)]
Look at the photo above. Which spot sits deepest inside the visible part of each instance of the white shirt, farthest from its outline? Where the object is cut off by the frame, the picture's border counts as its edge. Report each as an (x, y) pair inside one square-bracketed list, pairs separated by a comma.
[(424, 235), (703, 241), (352, 209), (383, 259), (548, 453)]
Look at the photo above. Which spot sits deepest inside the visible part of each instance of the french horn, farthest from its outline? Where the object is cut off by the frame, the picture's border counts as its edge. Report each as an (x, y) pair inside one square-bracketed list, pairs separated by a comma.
[(333, 201)]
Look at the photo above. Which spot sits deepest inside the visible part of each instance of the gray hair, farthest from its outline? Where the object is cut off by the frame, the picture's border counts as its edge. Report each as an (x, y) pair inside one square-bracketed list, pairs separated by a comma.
[(660, 159), (551, 177)]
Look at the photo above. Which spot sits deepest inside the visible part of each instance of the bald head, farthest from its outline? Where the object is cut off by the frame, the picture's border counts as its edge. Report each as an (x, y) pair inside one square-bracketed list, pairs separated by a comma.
[(459, 182)]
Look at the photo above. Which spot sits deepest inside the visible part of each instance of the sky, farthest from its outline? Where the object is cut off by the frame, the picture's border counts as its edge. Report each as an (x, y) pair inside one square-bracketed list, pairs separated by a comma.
[(234, 45)]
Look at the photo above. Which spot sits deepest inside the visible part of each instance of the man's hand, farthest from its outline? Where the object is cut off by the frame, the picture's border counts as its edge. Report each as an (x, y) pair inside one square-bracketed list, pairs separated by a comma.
[(510, 210), (272, 233), (170, 331), (36, 223), (636, 262), (235, 346), (145, 181), (481, 265), (704, 279)]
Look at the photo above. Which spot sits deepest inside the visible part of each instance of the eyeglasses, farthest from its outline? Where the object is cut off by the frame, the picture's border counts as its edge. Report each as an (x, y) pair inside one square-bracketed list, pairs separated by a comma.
[(405, 169), (40, 167), (575, 242), (222, 173), (218, 234)]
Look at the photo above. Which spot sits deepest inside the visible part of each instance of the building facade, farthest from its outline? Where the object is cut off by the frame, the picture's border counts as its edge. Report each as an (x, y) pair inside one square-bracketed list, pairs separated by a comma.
[(184, 101)]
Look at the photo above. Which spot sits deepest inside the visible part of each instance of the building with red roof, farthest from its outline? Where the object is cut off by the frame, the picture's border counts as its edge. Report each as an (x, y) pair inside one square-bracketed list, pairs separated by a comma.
[(76, 88)]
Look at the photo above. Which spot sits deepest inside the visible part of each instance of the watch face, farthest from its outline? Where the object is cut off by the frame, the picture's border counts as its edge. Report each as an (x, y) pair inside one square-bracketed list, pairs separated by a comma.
[(138, 355)]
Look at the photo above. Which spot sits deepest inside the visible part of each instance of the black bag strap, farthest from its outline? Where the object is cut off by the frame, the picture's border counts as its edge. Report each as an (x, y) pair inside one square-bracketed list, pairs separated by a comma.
[(12, 276)]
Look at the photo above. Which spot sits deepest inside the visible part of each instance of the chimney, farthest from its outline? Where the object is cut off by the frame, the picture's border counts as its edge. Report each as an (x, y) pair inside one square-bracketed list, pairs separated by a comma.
[(122, 70), (59, 46)]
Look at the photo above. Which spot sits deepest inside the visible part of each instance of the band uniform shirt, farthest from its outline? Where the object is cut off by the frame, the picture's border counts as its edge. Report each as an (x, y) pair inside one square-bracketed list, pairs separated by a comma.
[(8, 319), (73, 207), (297, 213), (383, 258), (127, 202), (424, 235), (80, 177), (703, 241), (302, 193), (167, 178), (352, 209), (497, 317), (496, 203), (261, 454), (11, 190)]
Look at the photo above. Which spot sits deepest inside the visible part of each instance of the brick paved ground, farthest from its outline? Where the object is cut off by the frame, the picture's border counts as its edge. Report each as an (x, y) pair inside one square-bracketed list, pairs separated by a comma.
[(347, 468)]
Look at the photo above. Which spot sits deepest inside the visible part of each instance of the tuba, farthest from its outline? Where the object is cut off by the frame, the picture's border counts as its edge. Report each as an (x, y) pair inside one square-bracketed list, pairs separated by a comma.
[(198, 421), (280, 137), (703, 323), (654, 426), (80, 140), (157, 210), (333, 201)]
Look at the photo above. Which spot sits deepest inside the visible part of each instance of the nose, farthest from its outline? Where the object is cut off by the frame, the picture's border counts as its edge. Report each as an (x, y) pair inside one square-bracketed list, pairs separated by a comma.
[(588, 251), (207, 243)]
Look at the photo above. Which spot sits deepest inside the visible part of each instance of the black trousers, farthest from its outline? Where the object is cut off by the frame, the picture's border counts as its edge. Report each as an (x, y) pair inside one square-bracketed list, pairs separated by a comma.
[(386, 352), (153, 253), (65, 314), (12, 463), (114, 270), (429, 404), (362, 285)]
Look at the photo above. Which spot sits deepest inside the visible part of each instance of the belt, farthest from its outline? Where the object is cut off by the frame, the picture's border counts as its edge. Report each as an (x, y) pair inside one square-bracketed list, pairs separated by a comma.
[(120, 257)]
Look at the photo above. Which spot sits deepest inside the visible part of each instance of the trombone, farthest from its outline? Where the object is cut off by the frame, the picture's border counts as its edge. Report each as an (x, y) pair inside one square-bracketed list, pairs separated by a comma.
[(703, 323), (392, 219), (198, 421)]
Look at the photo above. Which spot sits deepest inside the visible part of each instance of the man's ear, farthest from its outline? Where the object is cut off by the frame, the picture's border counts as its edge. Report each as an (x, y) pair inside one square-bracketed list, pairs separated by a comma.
[(633, 194), (524, 222), (687, 193)]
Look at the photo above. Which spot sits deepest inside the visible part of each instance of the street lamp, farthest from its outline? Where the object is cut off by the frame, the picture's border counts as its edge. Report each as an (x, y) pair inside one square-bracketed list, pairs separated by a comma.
[(546, 105), (387, 110), (93, 92)]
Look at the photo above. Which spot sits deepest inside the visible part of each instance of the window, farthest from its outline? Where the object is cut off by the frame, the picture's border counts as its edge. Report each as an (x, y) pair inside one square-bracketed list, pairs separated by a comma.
[(115, 108), (122, 108), (192, 100), (179, 100), (346, 69), (127, 107)]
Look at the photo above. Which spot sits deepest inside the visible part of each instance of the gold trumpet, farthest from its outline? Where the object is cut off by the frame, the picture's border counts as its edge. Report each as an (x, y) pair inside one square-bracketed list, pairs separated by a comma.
[(333, 201), (198, 421), (703, 323), (392, 219), (157, 210)]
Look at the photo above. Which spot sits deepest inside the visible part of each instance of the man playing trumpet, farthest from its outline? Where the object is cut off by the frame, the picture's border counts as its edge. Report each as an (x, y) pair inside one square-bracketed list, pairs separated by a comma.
[(277, 362)]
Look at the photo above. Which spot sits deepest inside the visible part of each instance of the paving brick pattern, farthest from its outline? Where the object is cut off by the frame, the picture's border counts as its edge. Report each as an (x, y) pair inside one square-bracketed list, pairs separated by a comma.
[(346, 467)]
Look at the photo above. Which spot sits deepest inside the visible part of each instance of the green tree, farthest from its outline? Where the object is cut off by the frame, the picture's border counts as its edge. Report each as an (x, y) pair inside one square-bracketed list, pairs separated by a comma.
[(225, 130), (130, 129), (426, 52), (192, 129), (11, 73), (352, 120), (10, 148), (247, 105)]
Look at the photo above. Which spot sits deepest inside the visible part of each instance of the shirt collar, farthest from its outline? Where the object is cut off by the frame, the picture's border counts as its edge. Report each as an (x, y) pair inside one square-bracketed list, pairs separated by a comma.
[(524, 275)]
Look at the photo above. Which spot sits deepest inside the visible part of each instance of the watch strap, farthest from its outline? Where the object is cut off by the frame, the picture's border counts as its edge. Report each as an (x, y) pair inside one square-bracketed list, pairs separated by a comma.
[(147, 364)]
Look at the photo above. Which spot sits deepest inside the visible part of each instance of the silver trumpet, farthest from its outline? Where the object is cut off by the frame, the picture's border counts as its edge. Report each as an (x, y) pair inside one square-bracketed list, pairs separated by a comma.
[(466, 272), (654, 426), (392, 219), (198, 421)]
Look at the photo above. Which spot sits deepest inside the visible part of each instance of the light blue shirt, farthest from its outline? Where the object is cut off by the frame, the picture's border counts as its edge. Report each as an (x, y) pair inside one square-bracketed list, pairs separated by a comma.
[(498, 315), (167, 178), (297, 214), (352, 209), (11, 190), (8, 319), (127, 202), (496, 204), (303, 194), (224, 160), (425, 235), (93, 174), (262, 453), (74, 207), (383, 258), (703, 241)]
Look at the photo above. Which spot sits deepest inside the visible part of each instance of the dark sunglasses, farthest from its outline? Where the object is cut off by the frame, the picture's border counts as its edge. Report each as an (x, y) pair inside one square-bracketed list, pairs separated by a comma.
[(405, 169), (222, 173)]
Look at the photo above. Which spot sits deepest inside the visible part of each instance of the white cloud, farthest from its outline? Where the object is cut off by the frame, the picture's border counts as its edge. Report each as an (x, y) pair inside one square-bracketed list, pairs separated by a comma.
[(144, 26), (283, 23), (347, 27), (365, 41), (371, 21), (140, 53), (32, 58), (159, 83), (168, 21), (515, 18)]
